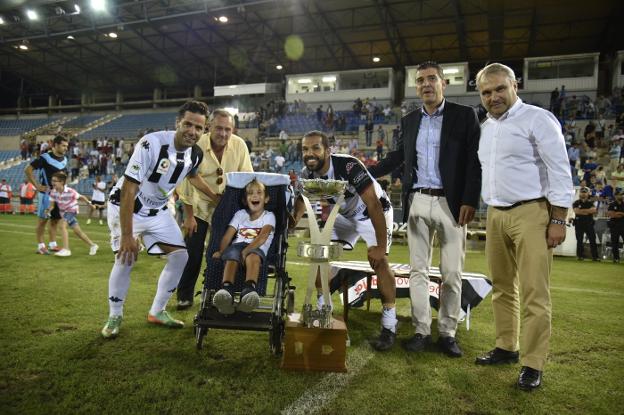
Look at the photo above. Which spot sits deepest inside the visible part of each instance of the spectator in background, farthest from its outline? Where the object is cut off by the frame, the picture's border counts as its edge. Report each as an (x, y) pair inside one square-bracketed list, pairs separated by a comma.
[(585, 209), (368, 130), (24, 149), (48, 163), (249, 144), (98, 200), (379, 148), (616, 223), (27, 194), (67, 199), (554, 97), (279, 163), (5, 197), (614, 155), (617, 177), (283, 136)]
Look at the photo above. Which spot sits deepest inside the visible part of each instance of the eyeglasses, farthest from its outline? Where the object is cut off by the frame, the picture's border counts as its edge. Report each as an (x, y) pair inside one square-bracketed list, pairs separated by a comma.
[(220, 175)]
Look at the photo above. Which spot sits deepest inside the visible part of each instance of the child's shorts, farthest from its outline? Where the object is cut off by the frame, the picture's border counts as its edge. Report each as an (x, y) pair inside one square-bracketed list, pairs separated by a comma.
[(70, 218), (233, 252)]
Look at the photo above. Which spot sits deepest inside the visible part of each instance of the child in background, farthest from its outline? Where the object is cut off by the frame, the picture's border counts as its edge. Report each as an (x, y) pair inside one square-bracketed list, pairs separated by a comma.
[(67, 200), (254, 228)]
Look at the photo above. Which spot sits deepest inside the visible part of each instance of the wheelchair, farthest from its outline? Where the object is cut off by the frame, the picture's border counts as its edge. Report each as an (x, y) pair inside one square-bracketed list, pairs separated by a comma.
[(276, 302)]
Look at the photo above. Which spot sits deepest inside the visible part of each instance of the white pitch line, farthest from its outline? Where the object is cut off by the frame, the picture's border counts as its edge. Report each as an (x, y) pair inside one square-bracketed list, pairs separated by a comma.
[(71, 233), (321, 395)]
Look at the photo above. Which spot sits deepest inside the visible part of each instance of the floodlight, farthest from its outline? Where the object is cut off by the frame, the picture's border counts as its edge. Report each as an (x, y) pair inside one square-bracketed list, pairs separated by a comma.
[(279, 67), (70, 37), (23, 46), (1, 20), (31, 14), (330, 78), (98, 5), (376, 59), (223, 19), (77, 9), (113, 35)]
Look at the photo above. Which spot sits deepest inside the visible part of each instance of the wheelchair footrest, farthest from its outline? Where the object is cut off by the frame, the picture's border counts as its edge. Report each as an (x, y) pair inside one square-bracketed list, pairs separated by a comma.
[(256, 321)]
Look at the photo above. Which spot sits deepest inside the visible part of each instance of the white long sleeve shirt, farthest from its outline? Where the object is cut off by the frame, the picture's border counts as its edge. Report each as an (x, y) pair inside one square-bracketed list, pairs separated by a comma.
[(523, 157)]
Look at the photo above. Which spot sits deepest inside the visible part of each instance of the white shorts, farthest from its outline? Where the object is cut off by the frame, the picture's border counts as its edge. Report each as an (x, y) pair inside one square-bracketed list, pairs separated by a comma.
[(159, 229), (348, 231)]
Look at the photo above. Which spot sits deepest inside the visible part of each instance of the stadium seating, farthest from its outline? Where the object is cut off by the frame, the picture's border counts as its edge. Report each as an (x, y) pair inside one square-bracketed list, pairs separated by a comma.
[(18, 127), (81, 121), (131, 125)]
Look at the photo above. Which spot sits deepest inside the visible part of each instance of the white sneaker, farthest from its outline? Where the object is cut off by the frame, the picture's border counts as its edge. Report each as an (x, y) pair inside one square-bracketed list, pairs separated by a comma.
[(89, 221), (93, 249), (63, 252)]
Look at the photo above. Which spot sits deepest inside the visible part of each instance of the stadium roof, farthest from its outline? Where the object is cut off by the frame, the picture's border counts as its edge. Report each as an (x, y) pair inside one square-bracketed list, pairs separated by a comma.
[(177, 44)]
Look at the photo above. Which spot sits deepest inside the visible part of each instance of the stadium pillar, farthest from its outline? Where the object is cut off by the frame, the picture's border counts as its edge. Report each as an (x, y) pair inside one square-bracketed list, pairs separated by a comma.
[(118, 100), (157, 96)]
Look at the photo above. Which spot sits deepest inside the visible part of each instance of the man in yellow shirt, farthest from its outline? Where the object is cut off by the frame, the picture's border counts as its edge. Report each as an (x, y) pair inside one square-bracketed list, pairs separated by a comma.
[(224, 152)]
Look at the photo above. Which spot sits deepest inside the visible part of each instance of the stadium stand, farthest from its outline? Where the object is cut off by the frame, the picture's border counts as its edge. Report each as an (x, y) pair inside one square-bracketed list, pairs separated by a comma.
[(17, 127), (131, 125)]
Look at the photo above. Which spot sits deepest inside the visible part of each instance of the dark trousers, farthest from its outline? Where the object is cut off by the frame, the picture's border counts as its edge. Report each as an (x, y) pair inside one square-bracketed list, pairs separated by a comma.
[(616, 234), (196, 252), (585, 229)]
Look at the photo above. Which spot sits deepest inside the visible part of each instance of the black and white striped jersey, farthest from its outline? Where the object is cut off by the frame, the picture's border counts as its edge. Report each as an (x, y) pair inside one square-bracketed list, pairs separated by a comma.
[(158, 168), (348, 168)]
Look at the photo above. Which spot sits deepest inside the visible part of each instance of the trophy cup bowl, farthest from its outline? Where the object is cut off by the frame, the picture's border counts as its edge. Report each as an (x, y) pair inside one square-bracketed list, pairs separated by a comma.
[(322, 189)]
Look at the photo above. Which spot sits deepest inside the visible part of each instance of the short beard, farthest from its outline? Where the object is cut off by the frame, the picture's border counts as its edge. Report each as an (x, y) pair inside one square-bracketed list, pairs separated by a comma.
[(319, 165)]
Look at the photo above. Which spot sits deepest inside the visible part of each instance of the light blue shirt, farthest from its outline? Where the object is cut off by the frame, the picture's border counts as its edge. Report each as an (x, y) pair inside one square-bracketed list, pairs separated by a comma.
[(428, 149)]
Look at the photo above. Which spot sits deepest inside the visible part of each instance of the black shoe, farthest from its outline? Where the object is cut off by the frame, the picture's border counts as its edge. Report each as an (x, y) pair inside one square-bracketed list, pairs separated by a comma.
[(385, 341), (449, 346), (529, 378), (184, 304), (416, 343), (497, 357)]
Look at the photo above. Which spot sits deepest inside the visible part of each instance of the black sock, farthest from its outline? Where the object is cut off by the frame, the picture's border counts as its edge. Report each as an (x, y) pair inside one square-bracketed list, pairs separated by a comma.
[(251, 284), (228, 286)]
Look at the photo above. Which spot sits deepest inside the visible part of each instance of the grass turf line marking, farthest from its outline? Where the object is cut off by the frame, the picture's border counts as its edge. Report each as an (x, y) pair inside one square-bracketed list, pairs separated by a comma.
[(318, 397)]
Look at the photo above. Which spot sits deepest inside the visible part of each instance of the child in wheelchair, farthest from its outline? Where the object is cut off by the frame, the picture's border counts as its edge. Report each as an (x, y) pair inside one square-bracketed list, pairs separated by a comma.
[(253, 228)]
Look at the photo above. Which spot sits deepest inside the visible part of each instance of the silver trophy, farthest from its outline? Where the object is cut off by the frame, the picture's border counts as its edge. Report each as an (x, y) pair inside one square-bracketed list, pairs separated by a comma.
[(320, 250)]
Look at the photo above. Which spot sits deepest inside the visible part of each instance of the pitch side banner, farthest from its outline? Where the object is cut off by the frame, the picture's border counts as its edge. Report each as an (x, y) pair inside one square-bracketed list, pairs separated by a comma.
[(475, 287)]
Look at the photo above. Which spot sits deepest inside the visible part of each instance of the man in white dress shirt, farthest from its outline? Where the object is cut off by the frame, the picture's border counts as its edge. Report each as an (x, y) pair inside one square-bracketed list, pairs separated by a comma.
[(528, 188)]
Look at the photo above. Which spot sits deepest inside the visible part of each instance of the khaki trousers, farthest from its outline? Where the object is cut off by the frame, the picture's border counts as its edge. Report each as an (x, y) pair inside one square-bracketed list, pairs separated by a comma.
[(520, 262), (429, 215)]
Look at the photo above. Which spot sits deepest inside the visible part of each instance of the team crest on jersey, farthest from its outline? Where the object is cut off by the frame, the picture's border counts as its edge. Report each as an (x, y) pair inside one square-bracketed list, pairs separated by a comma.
[(163, 166), (145, 144), (349, 166)]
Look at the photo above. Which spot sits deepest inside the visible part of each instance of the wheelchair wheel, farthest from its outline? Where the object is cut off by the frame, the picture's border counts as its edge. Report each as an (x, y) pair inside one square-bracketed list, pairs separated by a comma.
[(200, 333), (276, 335)]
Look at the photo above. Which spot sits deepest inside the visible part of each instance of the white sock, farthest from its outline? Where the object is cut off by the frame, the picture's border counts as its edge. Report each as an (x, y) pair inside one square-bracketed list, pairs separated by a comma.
[(388, 319), (52, 244), (41, 245), (118, 284), (168, 280)]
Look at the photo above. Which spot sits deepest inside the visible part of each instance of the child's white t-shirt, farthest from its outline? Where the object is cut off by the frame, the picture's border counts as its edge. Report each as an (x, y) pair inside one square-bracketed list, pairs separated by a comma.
[(247, 230)]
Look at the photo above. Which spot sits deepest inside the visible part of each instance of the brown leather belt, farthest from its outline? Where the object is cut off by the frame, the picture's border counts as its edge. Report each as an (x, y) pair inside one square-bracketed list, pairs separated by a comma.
[(430, 192), (522, 202)]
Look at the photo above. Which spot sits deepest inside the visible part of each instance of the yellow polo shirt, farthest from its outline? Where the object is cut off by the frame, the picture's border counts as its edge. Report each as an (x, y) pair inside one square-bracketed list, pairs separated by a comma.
[(235, 158)]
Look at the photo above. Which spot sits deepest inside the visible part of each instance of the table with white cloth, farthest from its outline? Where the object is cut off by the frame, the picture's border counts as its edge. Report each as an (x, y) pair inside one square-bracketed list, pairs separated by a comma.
[(353, 278)]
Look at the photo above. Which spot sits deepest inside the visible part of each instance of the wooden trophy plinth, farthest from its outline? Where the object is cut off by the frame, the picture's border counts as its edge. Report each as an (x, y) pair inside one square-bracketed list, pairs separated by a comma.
[(315, 349)]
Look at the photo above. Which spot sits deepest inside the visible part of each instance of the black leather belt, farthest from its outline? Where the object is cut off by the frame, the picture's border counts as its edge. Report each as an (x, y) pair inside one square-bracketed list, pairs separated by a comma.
[(522, 202), (430, 192)]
